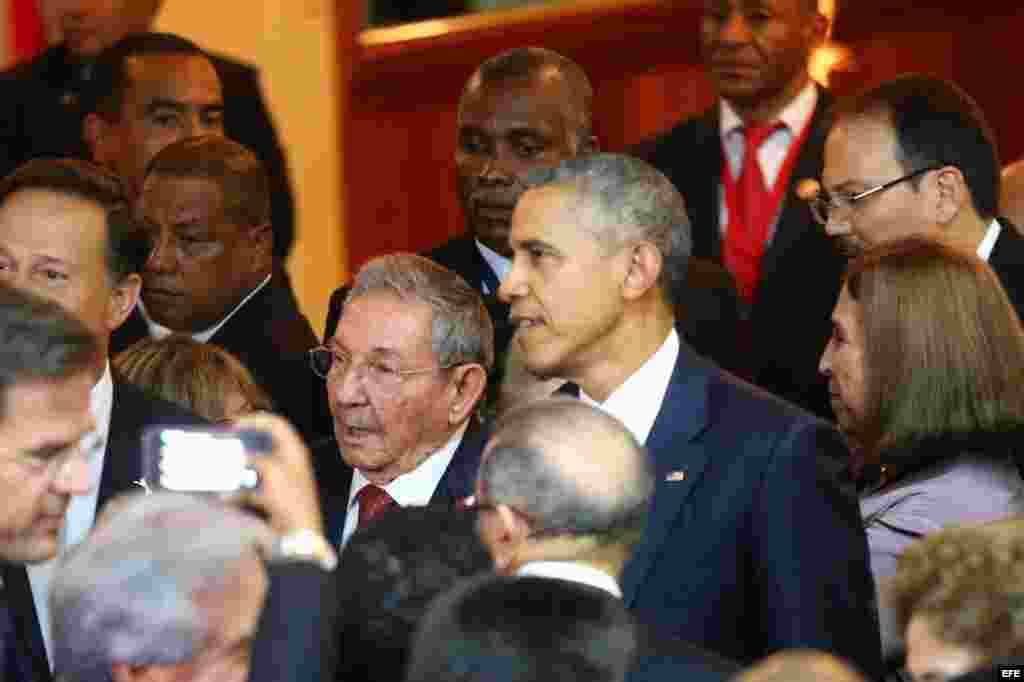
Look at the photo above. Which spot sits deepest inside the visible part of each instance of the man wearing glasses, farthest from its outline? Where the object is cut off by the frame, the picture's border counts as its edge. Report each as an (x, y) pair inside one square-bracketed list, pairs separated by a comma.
[(914, 156), (405, 370)]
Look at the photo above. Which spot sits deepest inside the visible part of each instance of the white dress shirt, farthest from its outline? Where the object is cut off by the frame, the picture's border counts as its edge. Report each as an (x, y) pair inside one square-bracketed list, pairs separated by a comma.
[(158, 331), (498, 263), (637, 401), (413, 489), (773, 150), (989, 241), (81, 512), (572, 572)]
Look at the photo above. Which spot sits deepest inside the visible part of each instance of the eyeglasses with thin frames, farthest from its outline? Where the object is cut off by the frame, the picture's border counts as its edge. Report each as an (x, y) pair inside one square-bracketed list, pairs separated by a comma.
[(328, 363), (826, 204)]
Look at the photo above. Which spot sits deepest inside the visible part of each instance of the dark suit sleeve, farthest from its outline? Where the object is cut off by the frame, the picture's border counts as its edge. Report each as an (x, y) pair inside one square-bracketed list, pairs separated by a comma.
[(812, 563), (295, 636)]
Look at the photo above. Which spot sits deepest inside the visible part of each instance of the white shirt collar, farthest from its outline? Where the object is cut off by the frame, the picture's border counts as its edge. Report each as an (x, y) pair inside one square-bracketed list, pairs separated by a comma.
[(989, 242), (412, 489), (637, 401), (795, 115), (158, 331), (573, 572), (498, 263), (81, 511)]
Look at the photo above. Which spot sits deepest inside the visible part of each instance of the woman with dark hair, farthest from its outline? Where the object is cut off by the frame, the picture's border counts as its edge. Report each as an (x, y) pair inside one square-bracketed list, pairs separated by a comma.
[(926, 378)]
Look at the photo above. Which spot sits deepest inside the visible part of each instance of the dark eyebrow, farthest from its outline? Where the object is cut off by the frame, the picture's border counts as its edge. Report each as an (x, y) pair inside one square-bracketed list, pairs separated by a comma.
[(164, 103), (49, 450), (537, 244)]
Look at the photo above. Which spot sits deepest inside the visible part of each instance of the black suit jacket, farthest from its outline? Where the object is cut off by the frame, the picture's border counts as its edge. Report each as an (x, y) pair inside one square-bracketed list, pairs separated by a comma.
[(133, 410), (40, 115), (754, 541), (801, 271), (334, 477), (296, 637), (270, 336), (1007, 260)]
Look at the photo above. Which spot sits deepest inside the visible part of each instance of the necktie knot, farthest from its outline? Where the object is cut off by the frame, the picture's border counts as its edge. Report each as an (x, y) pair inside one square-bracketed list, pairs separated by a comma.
[(373, 501), (754, 134)]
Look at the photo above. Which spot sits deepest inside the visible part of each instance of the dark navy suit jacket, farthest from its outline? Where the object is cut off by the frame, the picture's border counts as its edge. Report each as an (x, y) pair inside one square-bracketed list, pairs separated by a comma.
[(754, 541), (334, 477), (1007, 260)]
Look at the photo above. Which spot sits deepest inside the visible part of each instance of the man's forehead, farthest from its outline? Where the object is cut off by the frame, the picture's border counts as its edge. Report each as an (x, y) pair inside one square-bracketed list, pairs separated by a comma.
[(184, 75), (178, 198), (857, 142), (383, 320), (540, 99), (53, 220)]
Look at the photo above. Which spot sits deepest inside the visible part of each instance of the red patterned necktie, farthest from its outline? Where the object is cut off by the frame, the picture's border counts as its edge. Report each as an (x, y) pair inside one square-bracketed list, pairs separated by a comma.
[(373, 501), (751, 220)]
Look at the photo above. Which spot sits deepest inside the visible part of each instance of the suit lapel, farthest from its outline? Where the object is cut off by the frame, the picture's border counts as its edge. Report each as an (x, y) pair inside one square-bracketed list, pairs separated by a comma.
[(795, 216), (703, 203), (121, 461), (459, 478), (679, 462), (31, 649)]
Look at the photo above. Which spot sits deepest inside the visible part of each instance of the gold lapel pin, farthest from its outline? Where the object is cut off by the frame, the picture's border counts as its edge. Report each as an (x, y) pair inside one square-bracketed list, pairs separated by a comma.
[(676, 476)]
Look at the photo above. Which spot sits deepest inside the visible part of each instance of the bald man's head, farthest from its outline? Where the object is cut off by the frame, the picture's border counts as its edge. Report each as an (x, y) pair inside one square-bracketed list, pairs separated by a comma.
[(568, 468), (800, 666)]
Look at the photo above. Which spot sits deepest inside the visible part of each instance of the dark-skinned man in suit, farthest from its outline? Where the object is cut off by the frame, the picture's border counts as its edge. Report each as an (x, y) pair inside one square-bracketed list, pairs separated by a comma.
[(743, 207)]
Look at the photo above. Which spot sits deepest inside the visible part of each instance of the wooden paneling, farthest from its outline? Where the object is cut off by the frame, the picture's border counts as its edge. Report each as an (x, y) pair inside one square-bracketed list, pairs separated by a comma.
[(399, 126)]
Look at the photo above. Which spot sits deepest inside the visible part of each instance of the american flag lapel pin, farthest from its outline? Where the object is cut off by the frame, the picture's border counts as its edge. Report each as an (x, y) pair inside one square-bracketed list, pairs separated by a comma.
[(676, 476)]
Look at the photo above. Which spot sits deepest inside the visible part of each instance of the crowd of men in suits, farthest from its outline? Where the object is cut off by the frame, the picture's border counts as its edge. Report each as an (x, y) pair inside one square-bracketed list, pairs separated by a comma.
[(661, 518)]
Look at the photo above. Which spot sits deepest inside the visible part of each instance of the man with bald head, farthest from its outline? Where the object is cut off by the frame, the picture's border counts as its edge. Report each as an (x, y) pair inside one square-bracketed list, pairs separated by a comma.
[(747, 489), (43, 101), (562, 492)]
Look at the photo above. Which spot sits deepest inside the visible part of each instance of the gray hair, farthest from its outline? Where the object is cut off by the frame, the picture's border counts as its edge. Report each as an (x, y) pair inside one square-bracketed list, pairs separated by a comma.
[(621, 199), (570, 468), (526, 63), (125, 595), (461, 330)]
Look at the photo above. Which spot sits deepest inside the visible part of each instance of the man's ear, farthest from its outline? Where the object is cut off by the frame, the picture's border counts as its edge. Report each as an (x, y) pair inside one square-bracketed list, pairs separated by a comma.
[(466, 387), (643, 269), (589, 146), (951, 194), (99, 136), (261, 239), (123, 297), (513, 532)]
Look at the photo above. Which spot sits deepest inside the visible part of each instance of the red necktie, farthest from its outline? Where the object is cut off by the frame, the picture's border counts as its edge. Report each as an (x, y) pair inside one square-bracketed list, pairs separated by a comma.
[(751, 220), (373, 501)]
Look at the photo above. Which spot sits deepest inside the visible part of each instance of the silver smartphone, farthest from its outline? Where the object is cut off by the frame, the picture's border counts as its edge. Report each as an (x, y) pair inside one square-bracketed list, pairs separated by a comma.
[(194, 459)]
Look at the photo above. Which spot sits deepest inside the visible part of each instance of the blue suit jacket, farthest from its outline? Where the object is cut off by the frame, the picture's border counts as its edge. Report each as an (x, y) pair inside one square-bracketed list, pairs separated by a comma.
[(754, 541)]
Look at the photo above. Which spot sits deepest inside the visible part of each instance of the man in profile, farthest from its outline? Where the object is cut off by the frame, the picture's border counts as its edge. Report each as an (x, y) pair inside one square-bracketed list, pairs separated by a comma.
[(46, 373), (747, 483), (915, 156)]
